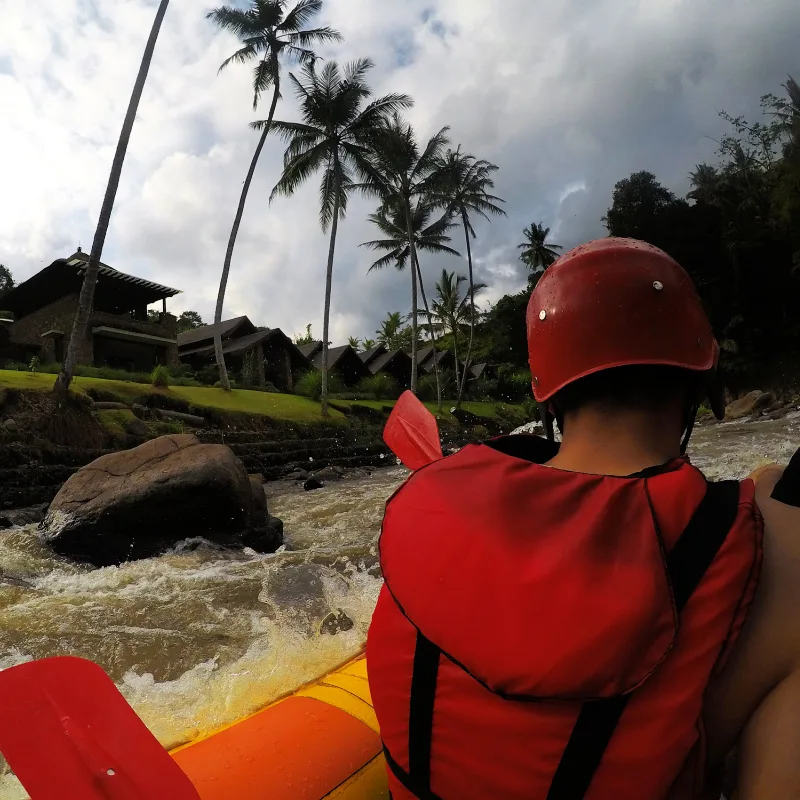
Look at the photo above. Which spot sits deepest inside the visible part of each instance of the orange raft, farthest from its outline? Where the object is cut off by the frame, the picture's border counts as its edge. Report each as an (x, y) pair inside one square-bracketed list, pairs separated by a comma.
[(321, 742)]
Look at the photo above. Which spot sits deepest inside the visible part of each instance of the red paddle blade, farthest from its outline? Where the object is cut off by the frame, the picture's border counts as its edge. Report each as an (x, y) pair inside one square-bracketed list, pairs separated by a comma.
[(412, 433), (69, 734)]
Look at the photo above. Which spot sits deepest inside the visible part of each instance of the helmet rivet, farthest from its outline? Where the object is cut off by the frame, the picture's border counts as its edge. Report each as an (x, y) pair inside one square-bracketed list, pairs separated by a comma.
[(542, 315), (658, 286)]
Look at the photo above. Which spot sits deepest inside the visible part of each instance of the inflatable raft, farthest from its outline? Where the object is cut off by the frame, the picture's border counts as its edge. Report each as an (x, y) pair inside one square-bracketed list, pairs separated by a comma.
[(320, 742)]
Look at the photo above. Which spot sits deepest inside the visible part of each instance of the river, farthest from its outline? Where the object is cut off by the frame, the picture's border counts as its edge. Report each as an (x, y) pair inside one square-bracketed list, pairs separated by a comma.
[(199, 637)]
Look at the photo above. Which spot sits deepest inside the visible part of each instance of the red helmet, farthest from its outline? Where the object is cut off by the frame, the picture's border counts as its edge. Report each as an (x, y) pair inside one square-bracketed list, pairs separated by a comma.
[(611, 303)]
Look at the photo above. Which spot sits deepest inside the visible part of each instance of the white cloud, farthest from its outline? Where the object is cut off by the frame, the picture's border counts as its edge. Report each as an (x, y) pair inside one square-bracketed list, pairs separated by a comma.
[(565, 97)]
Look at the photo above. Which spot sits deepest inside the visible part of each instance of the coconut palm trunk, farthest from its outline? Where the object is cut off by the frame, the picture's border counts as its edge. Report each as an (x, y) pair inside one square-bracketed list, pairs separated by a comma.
[(414, 336), (455, 353), (226, 267), (415, 268), (86, 299), (463, 382), (327, 310)]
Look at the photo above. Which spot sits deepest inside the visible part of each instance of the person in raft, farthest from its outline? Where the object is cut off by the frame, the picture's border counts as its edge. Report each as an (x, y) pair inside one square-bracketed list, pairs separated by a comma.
[(594, 619)]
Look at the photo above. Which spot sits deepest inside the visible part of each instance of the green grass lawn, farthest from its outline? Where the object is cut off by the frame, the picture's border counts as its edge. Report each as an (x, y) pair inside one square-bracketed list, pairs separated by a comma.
[(286, 407)]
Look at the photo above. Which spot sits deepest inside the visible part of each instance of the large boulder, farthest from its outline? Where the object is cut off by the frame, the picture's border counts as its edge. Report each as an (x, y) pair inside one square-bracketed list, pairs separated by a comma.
[(746, 406), (139, 502)]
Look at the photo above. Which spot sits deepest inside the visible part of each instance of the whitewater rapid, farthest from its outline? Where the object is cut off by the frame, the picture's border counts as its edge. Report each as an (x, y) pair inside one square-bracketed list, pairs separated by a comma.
[(199, 637)]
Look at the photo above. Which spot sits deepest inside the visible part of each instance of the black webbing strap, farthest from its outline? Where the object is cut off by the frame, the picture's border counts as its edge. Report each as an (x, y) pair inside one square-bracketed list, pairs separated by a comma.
[(420, 715), (420, 722), (687, 562)]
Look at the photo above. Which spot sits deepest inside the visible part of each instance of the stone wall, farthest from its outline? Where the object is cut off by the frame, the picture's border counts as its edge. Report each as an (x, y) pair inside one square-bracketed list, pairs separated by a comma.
[(60, 316), (57, 316)]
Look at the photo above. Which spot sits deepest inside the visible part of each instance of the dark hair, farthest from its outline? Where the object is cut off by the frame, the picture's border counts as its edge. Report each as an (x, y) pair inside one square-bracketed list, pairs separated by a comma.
[(629, 388)]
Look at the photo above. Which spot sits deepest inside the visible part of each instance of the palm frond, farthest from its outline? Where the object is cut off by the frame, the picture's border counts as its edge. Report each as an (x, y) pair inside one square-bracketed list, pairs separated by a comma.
[(234, 20), (298, 169), (299, 16), (286, 129), (306, 39), (241, 56), (397, 258), (265, 74)]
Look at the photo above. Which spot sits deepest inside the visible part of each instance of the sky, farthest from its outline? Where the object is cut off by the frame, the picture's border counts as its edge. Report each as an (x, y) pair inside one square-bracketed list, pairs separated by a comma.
[(566, 98)]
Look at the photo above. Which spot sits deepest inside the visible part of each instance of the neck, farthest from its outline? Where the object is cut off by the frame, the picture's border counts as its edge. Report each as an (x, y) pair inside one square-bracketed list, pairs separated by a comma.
[(611, 443)]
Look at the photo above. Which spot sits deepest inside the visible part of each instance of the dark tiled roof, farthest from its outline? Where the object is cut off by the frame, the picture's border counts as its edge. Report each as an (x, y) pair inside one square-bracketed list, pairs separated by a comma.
[(423, 354), (81, 259), (370, 355), (335, 355), (476, 370), (226, 328), (310, 349), (382, 361)]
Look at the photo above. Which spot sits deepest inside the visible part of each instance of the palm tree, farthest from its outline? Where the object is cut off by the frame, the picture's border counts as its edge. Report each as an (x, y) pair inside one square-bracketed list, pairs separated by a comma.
[(354, 342), (391, 334), (537, 253), (268, 33), (452, 311), (401, 174), (705, 182), (425, 235), (468, 191), (86, 298), (335, 136)]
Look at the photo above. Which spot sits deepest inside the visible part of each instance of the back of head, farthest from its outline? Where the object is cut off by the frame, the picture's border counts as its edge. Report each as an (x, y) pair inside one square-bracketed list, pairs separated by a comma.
[(618, 323)]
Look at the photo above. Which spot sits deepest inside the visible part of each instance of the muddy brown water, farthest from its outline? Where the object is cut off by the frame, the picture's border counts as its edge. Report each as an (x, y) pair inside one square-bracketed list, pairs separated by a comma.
[(197, 637)]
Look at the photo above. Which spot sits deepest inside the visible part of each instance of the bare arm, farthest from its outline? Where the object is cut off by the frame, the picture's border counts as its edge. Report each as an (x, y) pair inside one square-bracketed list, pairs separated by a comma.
[(769, 750), (757, 698)]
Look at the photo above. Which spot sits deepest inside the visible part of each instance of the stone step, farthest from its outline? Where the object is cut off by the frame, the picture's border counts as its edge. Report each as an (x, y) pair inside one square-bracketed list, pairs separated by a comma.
[(307, 448), (277, 471), (24, 496), (34, 475), (14, 455)]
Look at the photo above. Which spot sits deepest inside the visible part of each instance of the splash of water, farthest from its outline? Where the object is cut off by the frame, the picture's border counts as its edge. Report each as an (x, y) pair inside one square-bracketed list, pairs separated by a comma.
[(199, 637)]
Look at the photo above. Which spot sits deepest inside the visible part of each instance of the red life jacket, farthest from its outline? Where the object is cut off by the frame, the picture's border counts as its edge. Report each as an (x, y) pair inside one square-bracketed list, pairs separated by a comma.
[(548, 634)]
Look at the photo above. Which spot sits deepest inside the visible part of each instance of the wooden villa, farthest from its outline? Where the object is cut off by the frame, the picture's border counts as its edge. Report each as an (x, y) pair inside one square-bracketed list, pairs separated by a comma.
[(395, 363), (119, 333), (344, 361), (277, 359)]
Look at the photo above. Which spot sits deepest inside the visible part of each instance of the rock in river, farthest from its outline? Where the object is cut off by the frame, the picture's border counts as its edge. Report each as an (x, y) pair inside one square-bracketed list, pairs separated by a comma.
[(139, 502), (749, 404)]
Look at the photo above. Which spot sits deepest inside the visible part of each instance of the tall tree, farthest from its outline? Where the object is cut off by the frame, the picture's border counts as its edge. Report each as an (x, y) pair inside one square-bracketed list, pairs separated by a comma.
[(86, 298), (537, 253), (305, 338), (189, 320), (469, 183), (393, 334), (269, 34), (427, 236), (452, 311), (6, 279), (336, 136), (404, 175)]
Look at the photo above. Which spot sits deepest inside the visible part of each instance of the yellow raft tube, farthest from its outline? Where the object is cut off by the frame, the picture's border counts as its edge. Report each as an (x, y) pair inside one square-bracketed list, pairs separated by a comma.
[(320, 742)]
